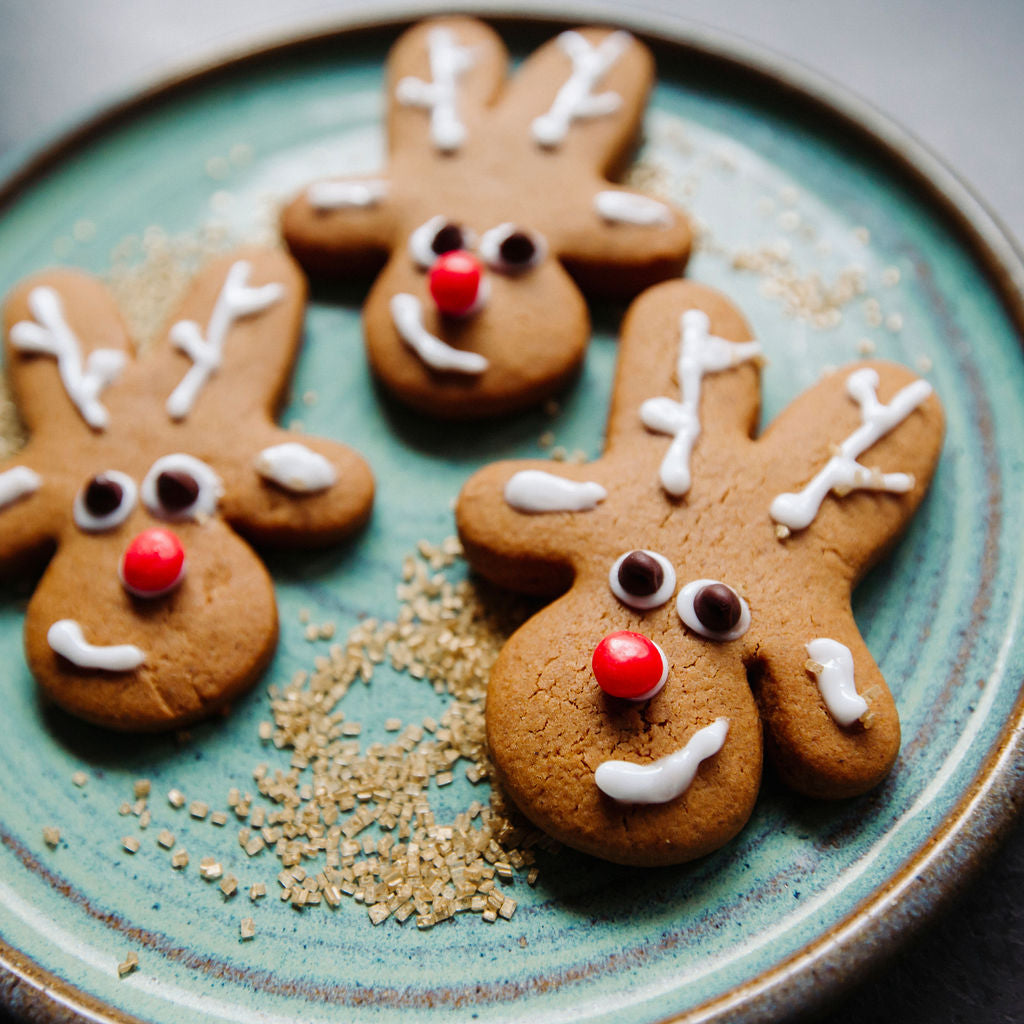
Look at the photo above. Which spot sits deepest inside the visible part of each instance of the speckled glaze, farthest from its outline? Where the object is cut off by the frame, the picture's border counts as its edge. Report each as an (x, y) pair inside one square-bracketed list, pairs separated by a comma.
[(809, 894)]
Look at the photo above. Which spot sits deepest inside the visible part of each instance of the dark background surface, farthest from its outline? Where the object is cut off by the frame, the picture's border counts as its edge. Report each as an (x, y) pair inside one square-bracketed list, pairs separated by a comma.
[(949, 71)]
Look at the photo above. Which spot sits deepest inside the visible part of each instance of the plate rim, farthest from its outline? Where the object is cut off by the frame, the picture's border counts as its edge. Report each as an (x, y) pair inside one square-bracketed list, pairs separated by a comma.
[(961, 842)]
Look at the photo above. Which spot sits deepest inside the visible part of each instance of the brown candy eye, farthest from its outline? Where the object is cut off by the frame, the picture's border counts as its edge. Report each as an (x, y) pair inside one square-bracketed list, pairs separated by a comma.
[(517, 249), (642, 579), (718, 607), (103, 494), (511, 249), (105, 501), (640, 575), (713, 610), (180, 486), (177, 490), (435, 237), (448, 238)]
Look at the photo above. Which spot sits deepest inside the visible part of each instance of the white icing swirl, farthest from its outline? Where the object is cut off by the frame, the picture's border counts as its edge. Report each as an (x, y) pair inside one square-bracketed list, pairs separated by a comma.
[(50, 334), (18, 483), (700, 353), (843, 473), (407, 316), (66, 639), (630, 208), (533, 490), (296, 468), (576, 98), (235, 302), (345, 195), (666, 778), (448, 62), (834, 672)]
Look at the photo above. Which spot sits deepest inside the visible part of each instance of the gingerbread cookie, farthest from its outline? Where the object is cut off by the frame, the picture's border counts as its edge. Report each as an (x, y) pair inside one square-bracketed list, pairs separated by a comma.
[(495, 209), (138, 477), (707, 580)]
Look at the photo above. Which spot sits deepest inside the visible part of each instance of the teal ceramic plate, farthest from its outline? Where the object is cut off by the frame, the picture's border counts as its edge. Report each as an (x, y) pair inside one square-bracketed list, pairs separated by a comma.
[(837, 237)]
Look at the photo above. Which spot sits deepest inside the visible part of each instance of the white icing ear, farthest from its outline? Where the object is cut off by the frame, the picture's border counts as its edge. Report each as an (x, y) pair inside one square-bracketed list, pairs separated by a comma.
[(235, 302), (843, 473), (576, 98), (50, 334), (296, 468), (18, 483), (448, 62)]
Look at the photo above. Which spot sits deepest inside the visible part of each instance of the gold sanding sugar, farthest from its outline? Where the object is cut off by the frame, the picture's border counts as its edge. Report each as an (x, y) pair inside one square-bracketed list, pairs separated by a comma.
[(12, 436), (128, 964), (355, 821)]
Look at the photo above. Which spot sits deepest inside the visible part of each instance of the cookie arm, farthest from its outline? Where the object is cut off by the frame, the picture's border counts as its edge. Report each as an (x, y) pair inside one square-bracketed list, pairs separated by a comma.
[(30, 517), (297, 491), (341, 227), (831, 725), (616, 240), (530, 551)]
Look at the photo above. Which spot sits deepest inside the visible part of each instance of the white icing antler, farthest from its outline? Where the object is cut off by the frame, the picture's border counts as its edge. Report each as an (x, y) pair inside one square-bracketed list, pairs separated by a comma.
[(448, 61), (236, 300), (576, 98), (50, 334), (699, 353), (843, 473)]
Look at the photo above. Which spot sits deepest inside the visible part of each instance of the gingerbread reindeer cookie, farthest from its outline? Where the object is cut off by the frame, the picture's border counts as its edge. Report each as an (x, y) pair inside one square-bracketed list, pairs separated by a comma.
[(496, 208), (140, 475), (706, 580)]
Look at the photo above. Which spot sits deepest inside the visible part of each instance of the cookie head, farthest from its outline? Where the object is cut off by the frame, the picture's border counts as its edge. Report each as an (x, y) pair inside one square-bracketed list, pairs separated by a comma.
[(144, 481), (705, 579), (494, 213), (439, 317)]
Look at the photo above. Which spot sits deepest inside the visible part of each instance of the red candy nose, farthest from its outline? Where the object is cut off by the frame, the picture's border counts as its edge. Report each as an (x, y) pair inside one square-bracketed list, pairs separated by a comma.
[(455, 282), (153, 563), (629, 665)]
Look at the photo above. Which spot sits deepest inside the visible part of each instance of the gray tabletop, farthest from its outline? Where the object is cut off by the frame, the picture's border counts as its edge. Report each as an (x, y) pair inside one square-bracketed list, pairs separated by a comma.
[(947, 71)]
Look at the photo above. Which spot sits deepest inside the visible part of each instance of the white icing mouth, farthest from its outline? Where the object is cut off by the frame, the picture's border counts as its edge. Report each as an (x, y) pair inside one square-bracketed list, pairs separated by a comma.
[(66, 639), (407, 315), (668, 777)]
